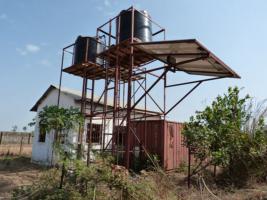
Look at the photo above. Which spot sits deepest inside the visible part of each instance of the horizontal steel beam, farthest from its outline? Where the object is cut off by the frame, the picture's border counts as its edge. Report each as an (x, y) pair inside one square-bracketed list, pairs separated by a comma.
[(190, 82)]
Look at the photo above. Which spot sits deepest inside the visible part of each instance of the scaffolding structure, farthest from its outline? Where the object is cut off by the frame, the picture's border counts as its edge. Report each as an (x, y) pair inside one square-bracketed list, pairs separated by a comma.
[(127, 66)]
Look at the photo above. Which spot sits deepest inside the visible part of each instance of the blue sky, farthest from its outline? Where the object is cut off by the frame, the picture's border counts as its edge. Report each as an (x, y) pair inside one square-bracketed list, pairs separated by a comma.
[(32, 34)]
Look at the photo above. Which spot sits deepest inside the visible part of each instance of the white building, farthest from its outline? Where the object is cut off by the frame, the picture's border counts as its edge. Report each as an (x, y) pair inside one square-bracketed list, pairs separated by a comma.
[(42, 146)]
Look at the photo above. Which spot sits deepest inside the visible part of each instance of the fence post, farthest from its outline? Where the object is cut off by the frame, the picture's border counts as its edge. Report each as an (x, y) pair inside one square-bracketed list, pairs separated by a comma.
[(1, 135), (189, 170), (20, 148), (29, 138)]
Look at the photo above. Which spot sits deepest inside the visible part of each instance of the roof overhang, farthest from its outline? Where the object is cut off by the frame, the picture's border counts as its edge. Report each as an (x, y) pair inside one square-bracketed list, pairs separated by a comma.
[(189, 56), (49, 89)]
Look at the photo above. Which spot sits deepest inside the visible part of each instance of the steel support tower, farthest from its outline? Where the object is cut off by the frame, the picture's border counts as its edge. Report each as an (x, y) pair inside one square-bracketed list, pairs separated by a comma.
[(126, 74)]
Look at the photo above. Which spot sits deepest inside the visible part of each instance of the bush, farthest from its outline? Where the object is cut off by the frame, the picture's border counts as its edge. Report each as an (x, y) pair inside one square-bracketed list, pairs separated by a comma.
[(101, 180), (219, 135)]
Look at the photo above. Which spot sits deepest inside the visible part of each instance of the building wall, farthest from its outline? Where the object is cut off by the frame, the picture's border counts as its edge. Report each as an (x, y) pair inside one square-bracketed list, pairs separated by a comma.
[(42, 151)]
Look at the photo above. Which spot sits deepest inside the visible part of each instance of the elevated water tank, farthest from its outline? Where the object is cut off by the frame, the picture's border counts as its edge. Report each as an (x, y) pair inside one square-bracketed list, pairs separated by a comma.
[(142, 25), (86, 49)]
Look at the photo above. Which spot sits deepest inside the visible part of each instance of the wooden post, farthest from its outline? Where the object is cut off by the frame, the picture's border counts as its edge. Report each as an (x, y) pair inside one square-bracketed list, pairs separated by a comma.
[(214, 171), (29, 138), (20, 148), (189, 165), (1, 135)]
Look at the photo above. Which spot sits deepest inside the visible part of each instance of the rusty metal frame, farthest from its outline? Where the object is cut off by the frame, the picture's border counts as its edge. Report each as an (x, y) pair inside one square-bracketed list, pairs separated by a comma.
[(125, 91)]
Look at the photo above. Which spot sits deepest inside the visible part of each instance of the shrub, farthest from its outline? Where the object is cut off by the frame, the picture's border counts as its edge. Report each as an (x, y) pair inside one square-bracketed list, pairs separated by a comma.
[(101, 180), (219, 136)]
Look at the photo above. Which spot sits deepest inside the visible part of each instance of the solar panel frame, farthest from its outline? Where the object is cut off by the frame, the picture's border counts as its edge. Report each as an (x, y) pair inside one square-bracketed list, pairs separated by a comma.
[(189, 56)]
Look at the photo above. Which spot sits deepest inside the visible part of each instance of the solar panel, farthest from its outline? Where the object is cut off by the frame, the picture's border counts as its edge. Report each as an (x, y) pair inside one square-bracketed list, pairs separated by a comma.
[(189, 56)]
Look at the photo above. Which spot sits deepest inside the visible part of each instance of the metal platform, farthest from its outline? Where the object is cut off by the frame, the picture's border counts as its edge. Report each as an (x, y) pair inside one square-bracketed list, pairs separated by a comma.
[(94, 71)]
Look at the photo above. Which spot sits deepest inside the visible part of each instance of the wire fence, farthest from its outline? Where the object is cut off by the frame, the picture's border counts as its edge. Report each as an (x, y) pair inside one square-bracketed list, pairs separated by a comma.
[(15, 143)]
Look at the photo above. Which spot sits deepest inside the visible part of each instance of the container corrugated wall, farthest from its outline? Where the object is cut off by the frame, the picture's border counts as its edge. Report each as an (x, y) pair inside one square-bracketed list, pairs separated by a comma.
[(162, 138), (175, 152)]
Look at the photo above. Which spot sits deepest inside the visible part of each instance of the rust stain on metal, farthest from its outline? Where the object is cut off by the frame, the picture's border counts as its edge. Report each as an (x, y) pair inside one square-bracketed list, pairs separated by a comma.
[(159, 137)]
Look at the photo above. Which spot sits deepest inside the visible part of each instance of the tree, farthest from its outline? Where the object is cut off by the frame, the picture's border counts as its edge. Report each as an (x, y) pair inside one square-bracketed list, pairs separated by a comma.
[(218, 134), (14, 128), (62, 121), (24, 128)]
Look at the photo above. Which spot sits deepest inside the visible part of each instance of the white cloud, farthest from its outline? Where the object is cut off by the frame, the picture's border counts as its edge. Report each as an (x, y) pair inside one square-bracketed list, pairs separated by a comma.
[(29, 48), (3, 16), (32, 48), (106, 3)]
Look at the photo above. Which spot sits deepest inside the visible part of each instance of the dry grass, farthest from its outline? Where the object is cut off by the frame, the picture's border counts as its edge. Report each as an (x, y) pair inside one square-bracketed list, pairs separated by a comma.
[(14, 172), (17, 171), (14, 149), (255, 191)]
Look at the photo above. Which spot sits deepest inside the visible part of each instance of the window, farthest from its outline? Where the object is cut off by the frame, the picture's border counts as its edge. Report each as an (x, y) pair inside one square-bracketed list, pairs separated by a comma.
[(42, 134), (96, 133)]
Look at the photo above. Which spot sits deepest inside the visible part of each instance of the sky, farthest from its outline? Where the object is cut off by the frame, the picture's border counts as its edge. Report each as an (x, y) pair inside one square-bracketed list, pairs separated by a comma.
[(33, 33)]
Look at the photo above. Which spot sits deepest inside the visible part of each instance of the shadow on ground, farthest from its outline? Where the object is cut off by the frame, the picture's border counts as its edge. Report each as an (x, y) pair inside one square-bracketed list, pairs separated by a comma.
[(17, 164)]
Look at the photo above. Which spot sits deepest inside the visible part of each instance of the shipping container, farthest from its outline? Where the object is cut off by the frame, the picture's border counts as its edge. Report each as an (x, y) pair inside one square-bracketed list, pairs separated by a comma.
[(160, 138)]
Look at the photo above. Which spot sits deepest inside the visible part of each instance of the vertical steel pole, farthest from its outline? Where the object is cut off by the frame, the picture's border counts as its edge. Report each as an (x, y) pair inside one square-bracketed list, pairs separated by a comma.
[(106, 90), (145, 132), (58, 98), (164, 90), (134, 97), (123, 129), (129, 103), (60, 77), (91, 121), (115, 97), (83, 105), (105, 109), (81, 129), (164, 95)]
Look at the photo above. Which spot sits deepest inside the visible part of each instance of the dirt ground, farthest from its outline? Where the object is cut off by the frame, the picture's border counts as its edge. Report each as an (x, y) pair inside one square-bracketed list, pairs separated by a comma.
[(17, 171), (206, 190), (14, 172)]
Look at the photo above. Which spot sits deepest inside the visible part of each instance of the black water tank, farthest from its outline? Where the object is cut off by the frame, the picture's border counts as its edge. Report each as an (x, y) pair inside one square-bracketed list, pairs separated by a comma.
[(94, 47), (142, 25)]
